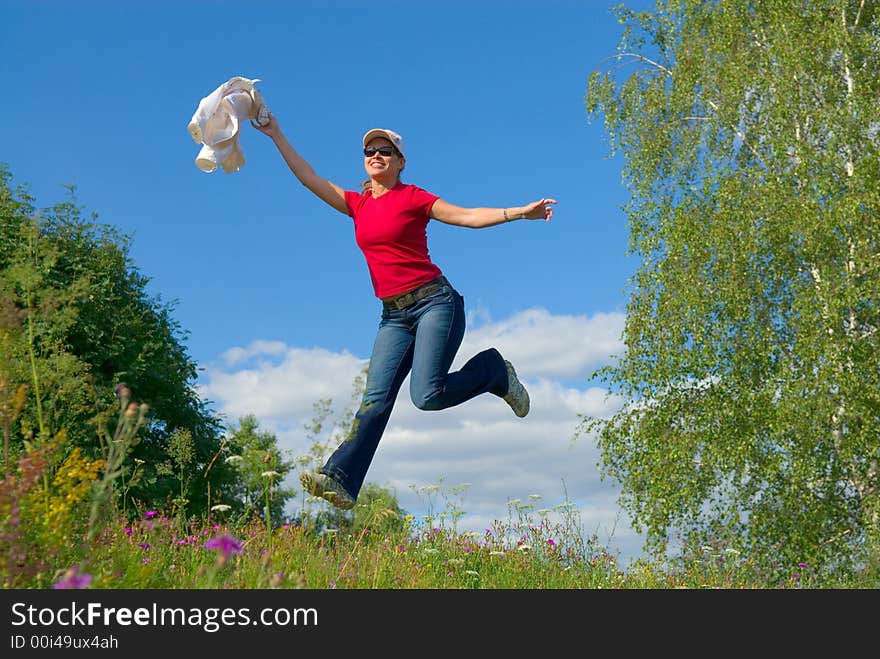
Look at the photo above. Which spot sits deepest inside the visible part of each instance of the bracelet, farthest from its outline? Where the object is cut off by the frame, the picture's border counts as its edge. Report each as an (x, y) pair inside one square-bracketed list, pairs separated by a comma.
[(506, 219)]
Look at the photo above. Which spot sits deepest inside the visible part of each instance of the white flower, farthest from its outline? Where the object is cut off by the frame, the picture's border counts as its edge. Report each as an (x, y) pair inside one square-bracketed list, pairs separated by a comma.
[(496, 553), (221, 507), (472, 572), (524, 547), (233, 458), (270, 474)]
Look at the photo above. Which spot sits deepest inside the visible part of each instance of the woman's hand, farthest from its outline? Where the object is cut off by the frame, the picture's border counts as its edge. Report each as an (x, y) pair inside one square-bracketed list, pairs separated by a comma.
[(272, 129), (539, 210)]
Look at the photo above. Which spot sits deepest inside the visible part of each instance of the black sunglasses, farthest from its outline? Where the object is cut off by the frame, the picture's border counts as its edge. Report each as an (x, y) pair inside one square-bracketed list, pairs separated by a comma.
[(370, 151)]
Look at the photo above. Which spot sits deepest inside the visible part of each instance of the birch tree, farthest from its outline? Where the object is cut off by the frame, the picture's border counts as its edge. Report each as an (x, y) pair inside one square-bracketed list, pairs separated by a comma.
[(750, 135)]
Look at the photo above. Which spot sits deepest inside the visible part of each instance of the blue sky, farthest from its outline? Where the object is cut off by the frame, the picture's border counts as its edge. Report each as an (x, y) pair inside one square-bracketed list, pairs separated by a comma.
[(267, 280)]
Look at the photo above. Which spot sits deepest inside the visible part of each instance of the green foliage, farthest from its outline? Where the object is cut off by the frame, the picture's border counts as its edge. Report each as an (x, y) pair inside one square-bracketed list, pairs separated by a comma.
[(530, 551), (377, 510), (750, 139), (77, 320), (261, 469)]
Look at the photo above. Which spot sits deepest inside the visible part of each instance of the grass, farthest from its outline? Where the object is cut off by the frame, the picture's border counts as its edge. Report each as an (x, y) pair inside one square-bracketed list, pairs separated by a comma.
[(67, 532), (152, 553)]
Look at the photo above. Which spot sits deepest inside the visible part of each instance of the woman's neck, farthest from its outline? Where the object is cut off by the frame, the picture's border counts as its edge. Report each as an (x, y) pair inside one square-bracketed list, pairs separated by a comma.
[(380, 187)]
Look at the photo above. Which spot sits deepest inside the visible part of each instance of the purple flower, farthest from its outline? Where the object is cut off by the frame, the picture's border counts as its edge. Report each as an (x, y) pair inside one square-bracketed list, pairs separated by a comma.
[(127, 530), (150, 513), (73, 579), (802, 565), (144, 545), (225, 544)]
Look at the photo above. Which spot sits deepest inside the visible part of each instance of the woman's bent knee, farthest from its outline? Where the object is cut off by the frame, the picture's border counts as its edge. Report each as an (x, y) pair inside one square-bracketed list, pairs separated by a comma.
[(432, 401)]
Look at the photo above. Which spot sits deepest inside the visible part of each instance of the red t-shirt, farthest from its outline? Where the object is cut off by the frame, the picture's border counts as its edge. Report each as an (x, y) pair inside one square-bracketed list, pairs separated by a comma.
[(391, 231)]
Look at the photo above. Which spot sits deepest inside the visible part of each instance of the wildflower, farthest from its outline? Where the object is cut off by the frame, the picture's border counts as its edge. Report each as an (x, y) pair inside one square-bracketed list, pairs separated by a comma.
[(524, 547), (221, 508), (123, 392), (144, 545), (270, 474), (332, 584), (496, 553), (802, 565), (225, 544), (551, 542), (73, 579), (472, 572), (131, 411), (233, 458), (127, 530), (151, 513)]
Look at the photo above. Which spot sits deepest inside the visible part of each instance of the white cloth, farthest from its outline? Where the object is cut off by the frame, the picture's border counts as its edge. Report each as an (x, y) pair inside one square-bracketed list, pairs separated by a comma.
[(217, 122)]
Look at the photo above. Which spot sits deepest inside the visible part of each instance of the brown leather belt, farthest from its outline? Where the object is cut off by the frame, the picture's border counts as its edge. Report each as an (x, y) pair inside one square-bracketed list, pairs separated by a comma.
[(405, 300)]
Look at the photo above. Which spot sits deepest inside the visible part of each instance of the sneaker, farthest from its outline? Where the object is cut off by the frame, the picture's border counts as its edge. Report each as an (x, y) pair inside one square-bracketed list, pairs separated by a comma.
[(517, 396), (326, 487)]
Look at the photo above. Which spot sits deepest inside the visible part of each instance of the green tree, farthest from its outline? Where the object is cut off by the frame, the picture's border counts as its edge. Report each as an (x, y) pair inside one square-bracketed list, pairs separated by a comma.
[(262, 470), (751, 145), (88, 324)]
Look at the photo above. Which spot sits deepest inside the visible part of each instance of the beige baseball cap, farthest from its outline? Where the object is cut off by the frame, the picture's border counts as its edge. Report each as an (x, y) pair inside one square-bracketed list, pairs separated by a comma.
[(388, 134)]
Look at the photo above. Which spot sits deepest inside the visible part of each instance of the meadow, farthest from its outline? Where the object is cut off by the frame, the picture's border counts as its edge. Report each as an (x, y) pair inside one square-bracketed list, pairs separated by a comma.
[(66, 524), (531, 549)]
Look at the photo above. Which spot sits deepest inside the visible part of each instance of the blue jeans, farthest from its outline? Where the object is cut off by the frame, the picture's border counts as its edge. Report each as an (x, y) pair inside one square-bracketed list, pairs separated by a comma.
[(422, 338)]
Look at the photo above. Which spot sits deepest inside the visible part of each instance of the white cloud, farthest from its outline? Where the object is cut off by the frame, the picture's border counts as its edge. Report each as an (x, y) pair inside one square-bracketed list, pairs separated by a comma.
[(543, 345), (277, 382), (480, 443)]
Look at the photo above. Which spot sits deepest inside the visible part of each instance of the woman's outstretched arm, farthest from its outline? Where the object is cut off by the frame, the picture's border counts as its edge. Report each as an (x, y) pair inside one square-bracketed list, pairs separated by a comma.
[(479, 218), (321, 187)]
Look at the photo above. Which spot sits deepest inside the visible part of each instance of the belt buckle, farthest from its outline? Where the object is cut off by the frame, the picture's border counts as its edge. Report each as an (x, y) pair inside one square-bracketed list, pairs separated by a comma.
[(404, 301)]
